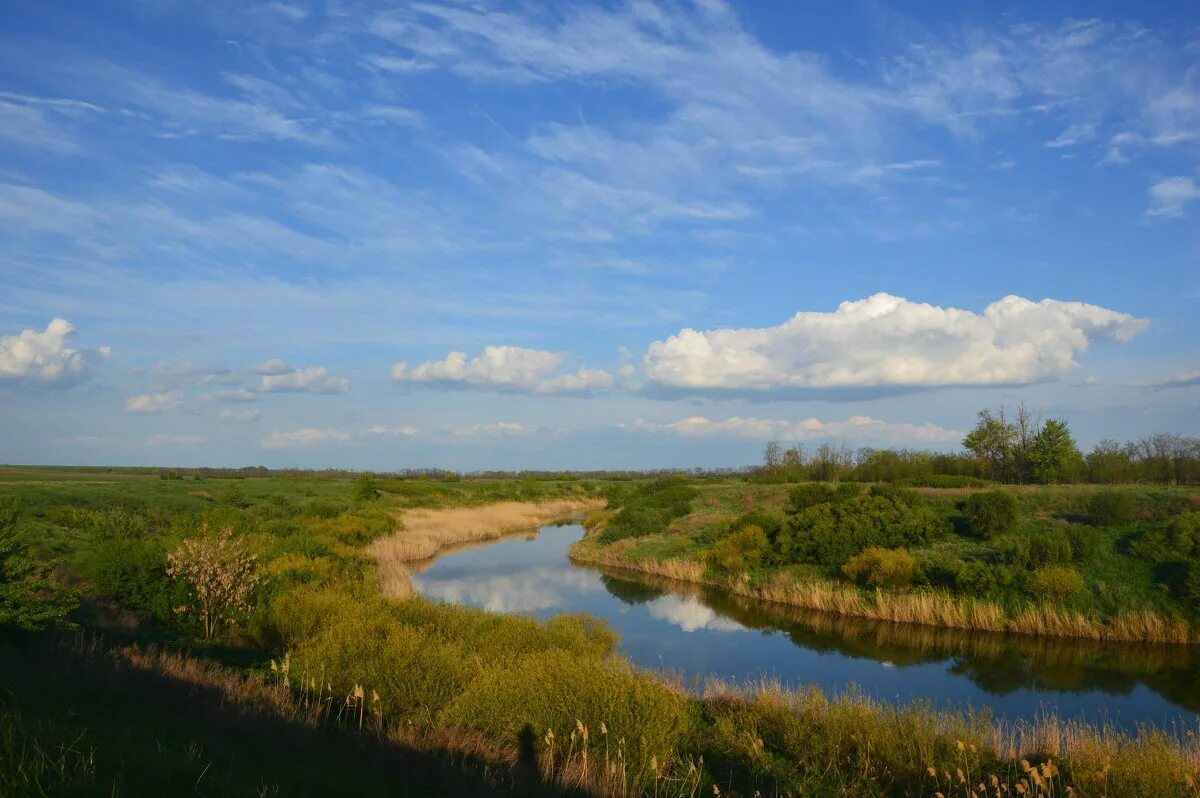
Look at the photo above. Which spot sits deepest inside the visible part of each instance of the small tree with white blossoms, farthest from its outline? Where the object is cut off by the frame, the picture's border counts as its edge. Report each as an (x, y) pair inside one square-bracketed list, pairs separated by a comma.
[(221, 574)]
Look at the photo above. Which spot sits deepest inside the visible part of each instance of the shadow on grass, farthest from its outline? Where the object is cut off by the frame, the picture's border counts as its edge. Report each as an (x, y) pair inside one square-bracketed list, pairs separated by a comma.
[(102, 727)]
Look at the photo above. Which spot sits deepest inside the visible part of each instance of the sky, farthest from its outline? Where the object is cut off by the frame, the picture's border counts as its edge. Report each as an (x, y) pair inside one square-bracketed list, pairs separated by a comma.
[(477, 235)]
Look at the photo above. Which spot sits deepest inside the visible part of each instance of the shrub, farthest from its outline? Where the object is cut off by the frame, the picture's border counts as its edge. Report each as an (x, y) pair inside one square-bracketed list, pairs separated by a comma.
[(1055, 583), (555, 690), (1013, 550), (323, 508), (132, 571), (899, 493), (1051, 547), (990, 513), (632, 522), (1178, 541), (830, 534), (1110, 508), (943, 481), (365, 488), (811, 494), (221, 575), (893, 569), (738, 552), (233, 495)]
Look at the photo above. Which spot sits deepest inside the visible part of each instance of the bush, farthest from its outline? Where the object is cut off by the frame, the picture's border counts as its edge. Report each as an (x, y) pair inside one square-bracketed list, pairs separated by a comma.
[(990, 513), (232, 495), (1178, 541), (134, 572), (365, 488), (1013, 550), (1056, 583), (554, 690), (632, 522), (893, 569), (811, 494), (738, 552), (943, 481), (1110, 508), (899, 493), (1051, 547), (830, 534)]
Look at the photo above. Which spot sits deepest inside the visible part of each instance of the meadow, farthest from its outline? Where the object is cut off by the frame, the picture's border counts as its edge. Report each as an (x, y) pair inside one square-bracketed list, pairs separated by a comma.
[(315, 682)]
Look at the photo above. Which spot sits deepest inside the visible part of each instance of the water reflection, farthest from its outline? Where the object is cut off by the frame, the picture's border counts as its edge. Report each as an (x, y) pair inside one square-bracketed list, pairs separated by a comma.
[(697, 631)]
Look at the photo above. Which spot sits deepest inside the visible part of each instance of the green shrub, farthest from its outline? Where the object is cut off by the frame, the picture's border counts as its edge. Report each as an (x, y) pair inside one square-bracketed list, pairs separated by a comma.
[(943, 481), (1110, 508), (365, 488), (830, 534), (893, 569), (232, 495), (899, 493), (632, 522), (738, 552), (990, 513), (1056, 583), (555, 690), (323, 508), (1051, 547), (1177, 541), (1013, 550), (811, 494)]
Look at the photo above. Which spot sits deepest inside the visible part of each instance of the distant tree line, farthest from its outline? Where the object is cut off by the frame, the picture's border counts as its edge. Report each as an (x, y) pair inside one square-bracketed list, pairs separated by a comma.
[(1018, 449)]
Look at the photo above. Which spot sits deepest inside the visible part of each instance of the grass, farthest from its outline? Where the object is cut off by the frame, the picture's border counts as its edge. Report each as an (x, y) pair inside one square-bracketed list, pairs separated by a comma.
[(331, 687)]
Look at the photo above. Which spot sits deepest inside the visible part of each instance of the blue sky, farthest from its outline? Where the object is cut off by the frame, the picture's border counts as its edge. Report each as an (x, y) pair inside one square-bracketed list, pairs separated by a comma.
[(472, 235)]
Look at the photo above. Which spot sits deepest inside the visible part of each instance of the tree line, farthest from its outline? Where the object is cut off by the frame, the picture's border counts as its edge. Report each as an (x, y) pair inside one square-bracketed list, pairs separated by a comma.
[(1017, 448)]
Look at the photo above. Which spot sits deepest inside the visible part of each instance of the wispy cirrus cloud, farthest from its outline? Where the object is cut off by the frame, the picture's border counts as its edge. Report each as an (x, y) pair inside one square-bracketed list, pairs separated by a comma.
[(303, 437), (154, 403), (856, 428)]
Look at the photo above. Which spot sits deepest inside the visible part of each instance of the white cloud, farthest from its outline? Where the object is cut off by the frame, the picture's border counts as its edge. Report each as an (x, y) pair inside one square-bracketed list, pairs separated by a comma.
[(1167, 197), (690, 615), (307, 436), (505, 368), (380, 430), (238, 416), (174, 440), (1182, 380), (858, 428), (238, 395), (1073, 135), (886, 340), (272, 367), (44, 359), (154, 402), (499, 429), (313, 379)]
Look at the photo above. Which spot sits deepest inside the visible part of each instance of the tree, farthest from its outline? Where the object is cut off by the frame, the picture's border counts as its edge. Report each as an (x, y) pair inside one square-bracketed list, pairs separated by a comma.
[(221, 575), (1052, 453), (773, 455), (992, 442), (29, 600)]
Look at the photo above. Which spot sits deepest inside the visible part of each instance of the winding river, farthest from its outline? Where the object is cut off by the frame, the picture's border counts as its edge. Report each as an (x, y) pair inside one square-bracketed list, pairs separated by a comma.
[(697, 632)]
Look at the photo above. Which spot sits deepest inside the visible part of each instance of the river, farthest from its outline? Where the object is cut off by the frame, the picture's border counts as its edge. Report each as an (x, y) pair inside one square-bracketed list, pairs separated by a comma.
[(698, 632)]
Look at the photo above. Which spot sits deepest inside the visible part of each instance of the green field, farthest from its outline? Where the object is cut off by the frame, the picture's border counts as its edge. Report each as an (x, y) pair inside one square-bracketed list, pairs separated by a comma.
[(312, 683)]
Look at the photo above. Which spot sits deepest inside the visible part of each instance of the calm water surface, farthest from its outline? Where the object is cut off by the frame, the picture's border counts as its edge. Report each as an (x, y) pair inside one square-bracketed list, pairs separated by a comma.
[(700, 632)]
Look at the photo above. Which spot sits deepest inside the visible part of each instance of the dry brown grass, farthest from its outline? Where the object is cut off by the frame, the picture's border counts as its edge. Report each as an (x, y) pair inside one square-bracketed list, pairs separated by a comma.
[(421, 534)]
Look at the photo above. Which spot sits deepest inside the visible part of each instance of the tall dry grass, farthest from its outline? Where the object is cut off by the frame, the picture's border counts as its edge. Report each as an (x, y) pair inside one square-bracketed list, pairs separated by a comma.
[(421, 534)]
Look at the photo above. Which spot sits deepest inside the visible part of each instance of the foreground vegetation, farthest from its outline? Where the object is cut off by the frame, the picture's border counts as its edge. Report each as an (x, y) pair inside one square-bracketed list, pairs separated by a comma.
[(311, 681)]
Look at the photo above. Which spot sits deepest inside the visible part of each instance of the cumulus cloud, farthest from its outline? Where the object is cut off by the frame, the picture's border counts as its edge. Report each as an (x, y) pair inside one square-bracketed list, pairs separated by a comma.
[(174, 440), (1181, 380), (380, 430), (1169, 196), (154, 402), (238, 416), (307, 436), (505, 368), (690, 615), (44, 358), (888, 341), (314, 379), (858, 428)]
